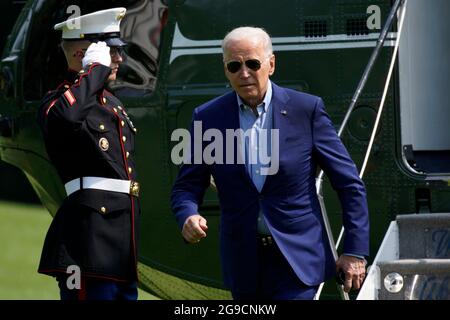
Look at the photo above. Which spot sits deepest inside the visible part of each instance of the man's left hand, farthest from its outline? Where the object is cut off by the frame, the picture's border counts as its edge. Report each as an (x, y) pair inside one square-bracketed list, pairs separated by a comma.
[(354, 270)]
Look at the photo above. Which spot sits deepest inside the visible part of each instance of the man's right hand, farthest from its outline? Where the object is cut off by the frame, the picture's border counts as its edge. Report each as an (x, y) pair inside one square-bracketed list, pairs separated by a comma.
[(97, 53), (194, 228)]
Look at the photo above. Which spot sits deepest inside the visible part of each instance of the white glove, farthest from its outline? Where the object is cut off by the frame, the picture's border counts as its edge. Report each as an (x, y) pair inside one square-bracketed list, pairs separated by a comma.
[(97, 53)]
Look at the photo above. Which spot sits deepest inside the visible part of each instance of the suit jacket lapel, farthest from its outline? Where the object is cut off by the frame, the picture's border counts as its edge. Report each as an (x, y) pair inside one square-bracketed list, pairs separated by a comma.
[(280, 120), (230, 120), (230, 115)]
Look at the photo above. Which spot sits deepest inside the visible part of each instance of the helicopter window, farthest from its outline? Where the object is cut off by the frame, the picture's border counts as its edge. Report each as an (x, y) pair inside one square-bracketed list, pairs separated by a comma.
[(141, 28), (315, 29), (13, 8)]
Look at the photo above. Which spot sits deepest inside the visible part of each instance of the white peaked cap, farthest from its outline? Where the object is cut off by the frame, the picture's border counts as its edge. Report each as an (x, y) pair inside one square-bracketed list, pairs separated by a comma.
[(99, 25)]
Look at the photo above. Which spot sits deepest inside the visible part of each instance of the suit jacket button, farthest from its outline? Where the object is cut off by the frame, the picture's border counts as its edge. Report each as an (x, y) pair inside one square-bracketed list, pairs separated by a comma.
[(103, 209)]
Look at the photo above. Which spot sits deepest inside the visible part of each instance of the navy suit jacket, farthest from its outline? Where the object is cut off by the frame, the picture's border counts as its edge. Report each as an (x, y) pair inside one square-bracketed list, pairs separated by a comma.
[(288, 199)]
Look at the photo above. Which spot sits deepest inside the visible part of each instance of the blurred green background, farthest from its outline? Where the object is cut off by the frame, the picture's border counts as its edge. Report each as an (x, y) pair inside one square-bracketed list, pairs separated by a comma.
[(22, 232)]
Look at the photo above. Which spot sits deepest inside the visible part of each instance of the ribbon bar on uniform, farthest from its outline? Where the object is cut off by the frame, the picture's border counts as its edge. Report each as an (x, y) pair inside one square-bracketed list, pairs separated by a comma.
[(114, 185)]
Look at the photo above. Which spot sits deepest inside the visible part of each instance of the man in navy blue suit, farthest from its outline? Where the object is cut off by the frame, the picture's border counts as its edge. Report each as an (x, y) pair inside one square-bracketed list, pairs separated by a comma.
[(273, 239)]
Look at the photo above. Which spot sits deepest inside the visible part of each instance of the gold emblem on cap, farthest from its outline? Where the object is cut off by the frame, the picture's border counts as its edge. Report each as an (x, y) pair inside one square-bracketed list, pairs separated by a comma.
[(103, 144), (103, 209)]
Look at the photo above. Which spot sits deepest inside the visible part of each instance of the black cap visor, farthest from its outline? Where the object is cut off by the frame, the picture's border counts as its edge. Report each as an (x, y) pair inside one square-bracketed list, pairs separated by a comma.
[(111, 39), (115, 42)]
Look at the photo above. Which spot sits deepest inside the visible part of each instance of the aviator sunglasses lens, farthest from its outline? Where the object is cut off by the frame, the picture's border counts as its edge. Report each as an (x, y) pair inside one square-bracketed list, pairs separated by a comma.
[(233, 66), (252, 64), (116, 51)]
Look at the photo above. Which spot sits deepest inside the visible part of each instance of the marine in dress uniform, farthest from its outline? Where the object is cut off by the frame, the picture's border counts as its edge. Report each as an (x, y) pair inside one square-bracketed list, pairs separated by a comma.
[(90, 140)]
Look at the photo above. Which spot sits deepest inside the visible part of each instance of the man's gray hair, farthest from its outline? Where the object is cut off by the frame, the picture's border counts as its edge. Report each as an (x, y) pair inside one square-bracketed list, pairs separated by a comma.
[(246, 33)]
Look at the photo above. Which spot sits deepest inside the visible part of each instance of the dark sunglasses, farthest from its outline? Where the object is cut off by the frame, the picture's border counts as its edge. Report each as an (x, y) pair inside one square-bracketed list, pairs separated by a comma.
[(235, 66), (116, 51), (112, 51)]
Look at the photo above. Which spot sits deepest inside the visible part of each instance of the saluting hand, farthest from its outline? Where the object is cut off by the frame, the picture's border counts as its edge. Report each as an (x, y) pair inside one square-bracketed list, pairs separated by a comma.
[(194, 228), (97, 53), (354, 270)]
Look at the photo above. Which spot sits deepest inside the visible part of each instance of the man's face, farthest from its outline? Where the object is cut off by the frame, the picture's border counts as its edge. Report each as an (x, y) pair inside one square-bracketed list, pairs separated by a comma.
[(116, 60), (251, 85)]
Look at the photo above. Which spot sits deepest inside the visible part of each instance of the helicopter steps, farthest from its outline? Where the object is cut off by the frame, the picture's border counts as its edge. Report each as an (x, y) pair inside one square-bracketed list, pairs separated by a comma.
[(413, 262)]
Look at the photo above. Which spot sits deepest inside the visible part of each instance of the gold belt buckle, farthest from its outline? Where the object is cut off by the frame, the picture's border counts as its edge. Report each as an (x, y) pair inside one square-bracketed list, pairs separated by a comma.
[(134, 188)]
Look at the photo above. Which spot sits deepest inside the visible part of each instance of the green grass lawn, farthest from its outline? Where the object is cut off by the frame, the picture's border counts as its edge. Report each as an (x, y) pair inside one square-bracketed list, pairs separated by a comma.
[(22, 232)]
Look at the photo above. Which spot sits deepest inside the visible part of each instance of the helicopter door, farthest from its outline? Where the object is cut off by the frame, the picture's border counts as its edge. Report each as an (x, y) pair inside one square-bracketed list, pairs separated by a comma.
[(424, 68)]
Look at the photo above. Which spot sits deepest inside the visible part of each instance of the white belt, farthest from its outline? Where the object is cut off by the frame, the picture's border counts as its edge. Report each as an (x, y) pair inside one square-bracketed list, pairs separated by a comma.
[(115, 185)]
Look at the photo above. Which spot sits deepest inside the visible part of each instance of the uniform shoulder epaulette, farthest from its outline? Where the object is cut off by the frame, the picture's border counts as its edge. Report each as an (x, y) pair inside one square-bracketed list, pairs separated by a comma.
[(53, 95)]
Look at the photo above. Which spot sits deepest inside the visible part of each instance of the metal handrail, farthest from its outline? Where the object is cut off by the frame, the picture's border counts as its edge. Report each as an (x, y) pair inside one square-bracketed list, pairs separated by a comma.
[(360, 87)]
